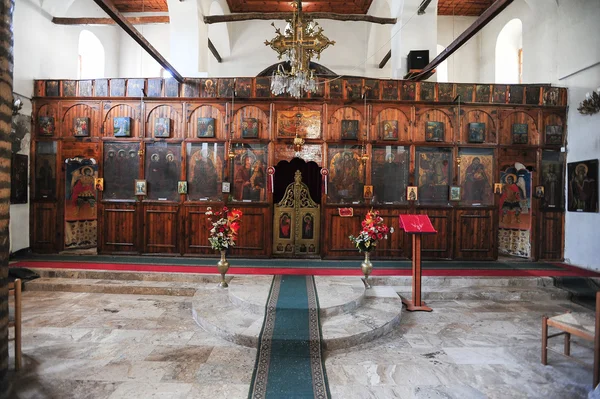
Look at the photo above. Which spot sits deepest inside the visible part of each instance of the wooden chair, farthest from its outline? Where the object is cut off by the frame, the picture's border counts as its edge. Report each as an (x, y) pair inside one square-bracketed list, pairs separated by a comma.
[(582, 325), (14, 319)]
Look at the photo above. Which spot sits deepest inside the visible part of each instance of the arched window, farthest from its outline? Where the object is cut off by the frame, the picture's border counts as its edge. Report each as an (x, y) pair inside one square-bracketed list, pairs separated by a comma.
[(442, 69), (509, 53), (91, 56)]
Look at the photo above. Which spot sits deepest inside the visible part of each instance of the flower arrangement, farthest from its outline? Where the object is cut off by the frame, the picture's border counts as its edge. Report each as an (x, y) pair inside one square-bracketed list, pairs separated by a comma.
[(373, 230), (591, 104), (224, 229)]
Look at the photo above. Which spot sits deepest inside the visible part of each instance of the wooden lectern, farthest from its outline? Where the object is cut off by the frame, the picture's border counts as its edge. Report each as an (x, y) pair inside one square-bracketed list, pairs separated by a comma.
[(416, 225)]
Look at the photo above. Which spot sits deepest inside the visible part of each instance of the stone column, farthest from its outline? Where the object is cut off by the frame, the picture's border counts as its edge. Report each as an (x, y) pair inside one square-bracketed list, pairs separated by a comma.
[(6, 97)]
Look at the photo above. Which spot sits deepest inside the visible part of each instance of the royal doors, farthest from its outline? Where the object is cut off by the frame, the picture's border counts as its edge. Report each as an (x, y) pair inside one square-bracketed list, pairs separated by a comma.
[(296, 222)]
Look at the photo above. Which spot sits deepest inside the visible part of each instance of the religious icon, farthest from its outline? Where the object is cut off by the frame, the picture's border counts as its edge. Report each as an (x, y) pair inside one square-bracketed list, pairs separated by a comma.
[(162, 127), (80, 190), (445, 92), (182, 187), (516, 94), (285, 226), (99, 183), (140, 187), (206, 127), (539, 191), (205, 171), (515, 201), (45, 164), (554, 135), (289, 248), (482, 93), (411, 193), (81, 127), (249, 128), (427, 91), (250, 177), (389, 130), (433, 172), (519, 133), (390, 90), (210, 89), (390, 173), (18, 179), (551, 96), (552, 179), (499, 94), (454, 193), (408, 91), (475, 174), (346, 175), (226, 87), (434, 131), (46, 125), (121, 166), (349, 129), (583, 186), (243, 87), (497, 188), (306, 124), (226, 187), (122, 126), (476, 132), (368, 192), (307, 227), (162, 170)]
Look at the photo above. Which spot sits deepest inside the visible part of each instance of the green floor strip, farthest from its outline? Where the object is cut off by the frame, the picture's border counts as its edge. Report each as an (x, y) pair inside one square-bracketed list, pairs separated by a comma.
[(289, 362)]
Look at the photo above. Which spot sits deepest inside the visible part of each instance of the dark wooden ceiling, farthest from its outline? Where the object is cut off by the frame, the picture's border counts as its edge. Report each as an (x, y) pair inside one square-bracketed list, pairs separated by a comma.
[(335, 6), (141, 5), (463, 7)]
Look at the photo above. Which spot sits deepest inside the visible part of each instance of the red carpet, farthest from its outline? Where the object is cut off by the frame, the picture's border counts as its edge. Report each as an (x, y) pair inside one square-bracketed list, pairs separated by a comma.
[(568, 270)]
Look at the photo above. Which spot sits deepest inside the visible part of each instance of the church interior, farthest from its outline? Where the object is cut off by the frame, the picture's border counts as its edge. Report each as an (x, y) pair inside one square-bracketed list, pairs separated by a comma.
[(290, 199)]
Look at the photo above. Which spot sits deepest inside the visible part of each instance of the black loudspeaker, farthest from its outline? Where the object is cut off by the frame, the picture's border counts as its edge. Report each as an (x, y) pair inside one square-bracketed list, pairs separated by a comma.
[(418, 59)]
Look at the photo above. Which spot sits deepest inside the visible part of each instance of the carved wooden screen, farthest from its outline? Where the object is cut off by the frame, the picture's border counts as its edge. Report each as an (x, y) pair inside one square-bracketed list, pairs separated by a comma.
[(296, 222)]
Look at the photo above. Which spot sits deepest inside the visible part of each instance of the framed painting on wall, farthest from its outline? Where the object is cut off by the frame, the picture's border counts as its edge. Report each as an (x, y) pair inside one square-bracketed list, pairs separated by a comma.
[(140, 187), (412, 193), (249, 128), (554, 135), (162, 127), (81, 127), (121, 167), (553, 180), (349, 129), (205, 171), (389, 130), (475, 176), (434, 131), (122, 126), (389, 173), (250, 172), (433, 173), (18, 179), (454, 193), (205, 127), (476, 132), (583, 186), (519, 133), (46, 125), (347, 175), (307, 124), (162, 170)]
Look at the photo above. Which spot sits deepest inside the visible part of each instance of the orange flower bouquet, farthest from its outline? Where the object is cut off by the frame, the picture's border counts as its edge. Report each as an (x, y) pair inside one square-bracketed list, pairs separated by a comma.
[(224, 229)]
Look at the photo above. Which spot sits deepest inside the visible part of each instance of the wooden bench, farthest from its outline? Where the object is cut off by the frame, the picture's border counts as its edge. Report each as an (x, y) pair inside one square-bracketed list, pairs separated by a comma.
[(582, 325)]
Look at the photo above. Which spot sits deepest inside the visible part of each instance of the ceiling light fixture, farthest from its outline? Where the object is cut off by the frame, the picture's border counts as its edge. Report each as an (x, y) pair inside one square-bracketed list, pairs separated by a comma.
[(298, 43)]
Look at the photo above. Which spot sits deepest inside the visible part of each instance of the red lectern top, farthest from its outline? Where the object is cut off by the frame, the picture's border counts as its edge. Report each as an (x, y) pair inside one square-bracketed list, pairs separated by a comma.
[(416, 224)]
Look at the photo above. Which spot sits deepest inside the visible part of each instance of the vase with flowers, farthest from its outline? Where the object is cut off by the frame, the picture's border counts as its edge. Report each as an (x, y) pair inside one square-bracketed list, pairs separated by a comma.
[(225, 226), (373, 230)]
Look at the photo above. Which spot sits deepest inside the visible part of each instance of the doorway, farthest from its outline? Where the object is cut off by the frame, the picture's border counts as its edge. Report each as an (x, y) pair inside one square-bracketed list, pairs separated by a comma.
[(81, 216), (297, 210)]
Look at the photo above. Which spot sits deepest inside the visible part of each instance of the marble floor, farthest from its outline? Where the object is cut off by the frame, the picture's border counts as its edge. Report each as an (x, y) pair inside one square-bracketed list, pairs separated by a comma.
[(92, 345)]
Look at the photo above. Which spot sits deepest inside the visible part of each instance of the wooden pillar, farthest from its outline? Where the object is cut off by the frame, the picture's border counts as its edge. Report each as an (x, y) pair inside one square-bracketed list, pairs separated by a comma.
[(6, 98)]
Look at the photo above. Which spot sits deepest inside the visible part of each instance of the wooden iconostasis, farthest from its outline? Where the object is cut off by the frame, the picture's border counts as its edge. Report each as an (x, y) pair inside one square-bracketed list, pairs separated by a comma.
[(133, 175)]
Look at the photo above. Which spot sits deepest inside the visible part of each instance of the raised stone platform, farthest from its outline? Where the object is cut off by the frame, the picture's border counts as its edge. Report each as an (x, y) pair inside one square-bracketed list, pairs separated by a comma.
[(350, 315)]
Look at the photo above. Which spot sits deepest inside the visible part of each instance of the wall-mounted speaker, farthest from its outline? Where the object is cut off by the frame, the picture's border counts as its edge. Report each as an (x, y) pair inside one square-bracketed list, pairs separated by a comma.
[(417, 59)]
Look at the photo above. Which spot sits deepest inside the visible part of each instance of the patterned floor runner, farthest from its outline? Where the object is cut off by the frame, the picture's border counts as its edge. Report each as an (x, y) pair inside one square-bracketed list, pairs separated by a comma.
[(289, 362)]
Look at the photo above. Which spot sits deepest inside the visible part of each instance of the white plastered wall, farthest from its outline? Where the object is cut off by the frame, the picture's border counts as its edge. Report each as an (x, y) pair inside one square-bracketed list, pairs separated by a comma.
[(463, 65)]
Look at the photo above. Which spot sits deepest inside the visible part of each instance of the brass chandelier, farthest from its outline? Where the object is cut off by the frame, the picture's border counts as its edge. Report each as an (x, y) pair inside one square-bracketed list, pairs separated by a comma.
[(299, 42)]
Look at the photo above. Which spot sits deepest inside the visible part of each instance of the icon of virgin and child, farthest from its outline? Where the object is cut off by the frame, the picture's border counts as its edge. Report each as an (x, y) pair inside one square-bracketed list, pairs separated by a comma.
[(250, 178)]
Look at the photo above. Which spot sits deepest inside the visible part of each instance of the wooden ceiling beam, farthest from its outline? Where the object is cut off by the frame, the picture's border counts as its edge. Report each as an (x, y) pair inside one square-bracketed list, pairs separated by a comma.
[(215, 19), (483, 20), (110, 9), (214, 51), (161, 19), (385, 59)]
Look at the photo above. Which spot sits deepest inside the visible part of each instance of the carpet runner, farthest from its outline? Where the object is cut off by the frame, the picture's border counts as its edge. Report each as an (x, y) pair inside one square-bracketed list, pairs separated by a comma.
[(289, 362)]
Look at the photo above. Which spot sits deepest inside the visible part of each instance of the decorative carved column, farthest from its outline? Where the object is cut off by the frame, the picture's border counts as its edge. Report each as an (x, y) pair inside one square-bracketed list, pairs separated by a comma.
[(6, 98)]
